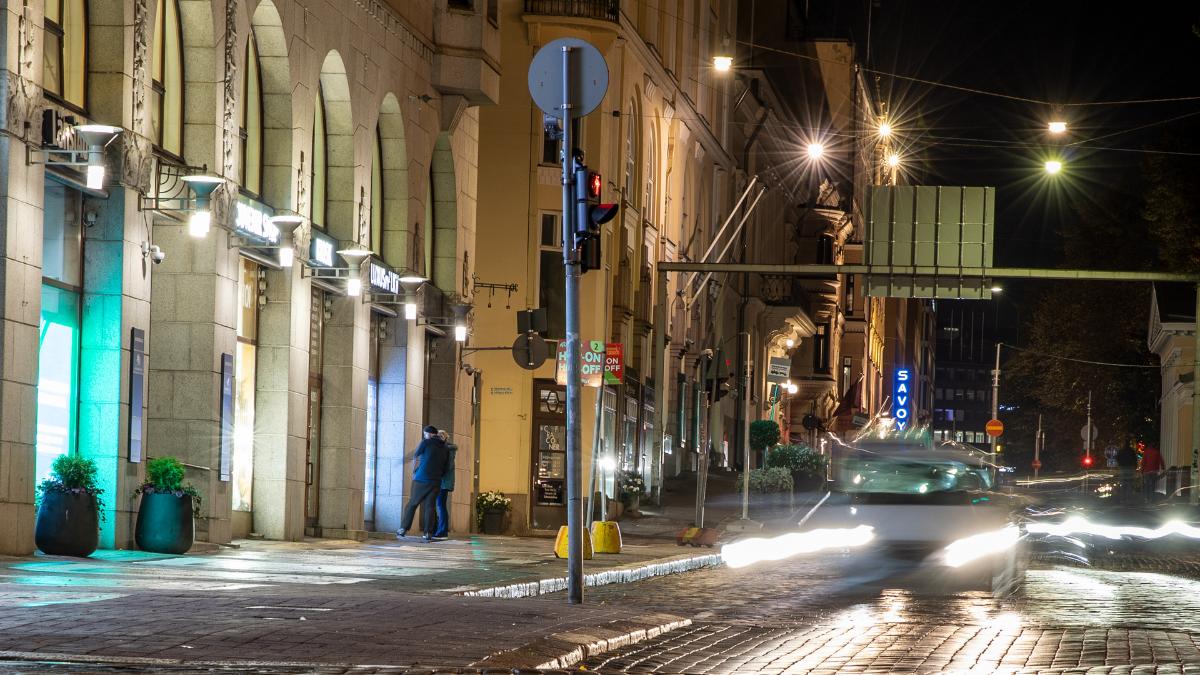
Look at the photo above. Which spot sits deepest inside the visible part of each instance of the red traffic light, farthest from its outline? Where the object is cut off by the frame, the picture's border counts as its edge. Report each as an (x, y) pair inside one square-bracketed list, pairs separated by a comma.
[(595, 184), (1087, 460)]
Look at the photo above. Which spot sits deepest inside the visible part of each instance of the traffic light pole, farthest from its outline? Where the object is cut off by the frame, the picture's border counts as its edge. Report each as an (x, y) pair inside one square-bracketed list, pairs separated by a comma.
[(574, 383)]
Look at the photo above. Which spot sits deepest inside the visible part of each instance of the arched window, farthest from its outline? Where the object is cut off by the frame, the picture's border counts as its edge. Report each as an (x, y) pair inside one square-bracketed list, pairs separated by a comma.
[(377, 196), (650, 197), (632, 121), (319, 163), (250, 124), (64, 52), (166, 110)]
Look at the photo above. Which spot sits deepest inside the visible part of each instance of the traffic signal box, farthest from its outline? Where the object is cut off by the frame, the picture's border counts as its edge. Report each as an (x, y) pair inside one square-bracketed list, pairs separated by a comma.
[(590, 215)]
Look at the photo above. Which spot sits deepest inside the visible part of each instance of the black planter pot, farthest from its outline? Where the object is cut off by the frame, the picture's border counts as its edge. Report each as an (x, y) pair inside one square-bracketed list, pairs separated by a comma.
[(802, 482), (493, 521), (165, 524), (67, 524)]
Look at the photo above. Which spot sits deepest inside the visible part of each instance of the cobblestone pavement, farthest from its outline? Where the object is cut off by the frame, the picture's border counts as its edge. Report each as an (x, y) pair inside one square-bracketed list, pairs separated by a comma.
[(315, 602), (849, 613)]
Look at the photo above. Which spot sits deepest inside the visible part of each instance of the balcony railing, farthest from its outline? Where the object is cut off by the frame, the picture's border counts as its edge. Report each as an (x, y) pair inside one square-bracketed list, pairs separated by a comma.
[(604, 10)]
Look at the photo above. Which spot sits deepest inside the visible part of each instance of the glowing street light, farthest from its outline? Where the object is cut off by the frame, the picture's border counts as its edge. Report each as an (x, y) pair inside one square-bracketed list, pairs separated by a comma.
[(893, 160), (202, 187), (1053, 166), (722, 64), (997, 289), (1058, 127), (885, 129), (815, 150)]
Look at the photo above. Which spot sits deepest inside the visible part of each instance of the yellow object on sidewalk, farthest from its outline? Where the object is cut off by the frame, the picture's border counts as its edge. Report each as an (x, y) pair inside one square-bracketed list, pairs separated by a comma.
[(560, 544), (606, 536)]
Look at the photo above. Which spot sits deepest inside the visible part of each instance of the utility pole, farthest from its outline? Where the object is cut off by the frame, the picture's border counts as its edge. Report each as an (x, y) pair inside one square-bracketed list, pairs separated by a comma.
[(1193, 492), (574, 382), (1037, 449), (1087, 437), (747, 453), (996, 398)]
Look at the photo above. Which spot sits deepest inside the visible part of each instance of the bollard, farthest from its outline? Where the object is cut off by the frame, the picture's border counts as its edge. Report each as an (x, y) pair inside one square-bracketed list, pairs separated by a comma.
[(606, 536), (560, 544)]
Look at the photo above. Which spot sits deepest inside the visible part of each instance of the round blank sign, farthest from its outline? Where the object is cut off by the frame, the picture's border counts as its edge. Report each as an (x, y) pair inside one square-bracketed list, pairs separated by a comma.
[(589, 77)]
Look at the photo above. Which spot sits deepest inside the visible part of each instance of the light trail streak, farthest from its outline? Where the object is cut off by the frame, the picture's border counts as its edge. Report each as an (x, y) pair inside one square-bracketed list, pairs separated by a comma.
[(1077, 525), (750, 551), (976, 546)]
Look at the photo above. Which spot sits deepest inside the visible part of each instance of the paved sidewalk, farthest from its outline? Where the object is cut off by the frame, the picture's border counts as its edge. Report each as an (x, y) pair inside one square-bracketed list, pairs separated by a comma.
[(397, 603)]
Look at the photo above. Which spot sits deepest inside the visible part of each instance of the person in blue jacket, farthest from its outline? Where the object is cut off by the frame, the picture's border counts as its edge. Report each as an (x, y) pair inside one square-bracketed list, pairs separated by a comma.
[(443, 513), (431, 456)]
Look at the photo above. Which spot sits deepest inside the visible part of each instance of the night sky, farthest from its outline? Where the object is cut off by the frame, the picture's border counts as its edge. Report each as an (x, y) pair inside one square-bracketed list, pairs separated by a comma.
[(1069, 52)]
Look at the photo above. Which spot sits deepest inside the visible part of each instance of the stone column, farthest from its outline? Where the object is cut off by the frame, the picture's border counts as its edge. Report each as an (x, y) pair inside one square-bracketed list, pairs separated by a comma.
[(192, 323), (344, 419), (20, 288), (396, 432), (281, 406)]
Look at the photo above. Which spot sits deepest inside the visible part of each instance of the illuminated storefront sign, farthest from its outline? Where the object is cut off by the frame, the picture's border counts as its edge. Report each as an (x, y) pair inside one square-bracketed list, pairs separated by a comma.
[(252, 220), (901, 410), (384, 279), (321, 251)]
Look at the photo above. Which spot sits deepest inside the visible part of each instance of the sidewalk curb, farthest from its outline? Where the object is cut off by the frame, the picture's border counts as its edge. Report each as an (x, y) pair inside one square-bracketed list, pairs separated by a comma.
[(617, 575), (564, 650)]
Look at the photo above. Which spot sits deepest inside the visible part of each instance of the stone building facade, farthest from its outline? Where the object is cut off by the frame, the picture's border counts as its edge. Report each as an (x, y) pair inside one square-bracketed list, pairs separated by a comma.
[(291, 399)]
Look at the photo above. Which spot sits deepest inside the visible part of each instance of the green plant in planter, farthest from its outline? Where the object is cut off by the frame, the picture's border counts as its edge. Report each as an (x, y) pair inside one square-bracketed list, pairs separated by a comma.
[(630, 483), (69, 508), (168, 509), (765, 481), (164, 475), (798, 459), (492, 500), (72, 474)]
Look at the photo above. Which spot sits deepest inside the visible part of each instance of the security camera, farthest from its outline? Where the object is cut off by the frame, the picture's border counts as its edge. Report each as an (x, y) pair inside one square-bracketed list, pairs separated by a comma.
[(153, 252)]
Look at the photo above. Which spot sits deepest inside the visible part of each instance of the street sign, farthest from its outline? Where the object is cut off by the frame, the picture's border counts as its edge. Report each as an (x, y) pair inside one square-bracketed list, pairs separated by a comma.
[(779, 369), (589, 77), (1037, 464), (591, 367), (530, 351), (994, 428), (1083, 432)]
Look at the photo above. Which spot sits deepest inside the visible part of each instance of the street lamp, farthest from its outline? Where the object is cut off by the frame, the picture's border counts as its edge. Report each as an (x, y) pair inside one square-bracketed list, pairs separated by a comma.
[(1053, 166), (1058, 127), (722, 64), (815, 151), (411, 282), (460, 322), (885, 129), (893, 160)]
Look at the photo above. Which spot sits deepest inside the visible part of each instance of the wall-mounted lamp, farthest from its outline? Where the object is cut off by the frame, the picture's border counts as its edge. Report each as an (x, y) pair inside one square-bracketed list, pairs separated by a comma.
[(202, 187), (412, 281), (789, 343), (96, 137), (460, 321), (354, 255), (287, 224)]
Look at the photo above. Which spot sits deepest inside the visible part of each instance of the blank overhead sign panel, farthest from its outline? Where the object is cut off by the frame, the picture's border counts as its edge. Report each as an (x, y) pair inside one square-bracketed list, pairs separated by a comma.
[(939, 230)]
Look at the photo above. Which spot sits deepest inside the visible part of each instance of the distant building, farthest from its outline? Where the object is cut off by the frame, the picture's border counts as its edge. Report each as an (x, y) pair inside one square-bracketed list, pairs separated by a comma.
[(966, 350), (1172, 321)]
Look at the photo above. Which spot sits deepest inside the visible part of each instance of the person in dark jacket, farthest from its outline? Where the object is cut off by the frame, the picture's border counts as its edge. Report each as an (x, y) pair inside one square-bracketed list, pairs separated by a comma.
[(443, 513), (431, 456), (1127, 465)]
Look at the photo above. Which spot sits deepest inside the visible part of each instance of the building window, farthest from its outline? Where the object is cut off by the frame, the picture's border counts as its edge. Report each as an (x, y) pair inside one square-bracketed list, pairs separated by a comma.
[(59, 334), (821, 349), (650, 194), (551, 145), (631, 154), (824, 250), (64, 51), (377, 196), (316, 205), (244, 381), (166, 108), (551, 275), (847, 364), (250, 126), (850, 294)]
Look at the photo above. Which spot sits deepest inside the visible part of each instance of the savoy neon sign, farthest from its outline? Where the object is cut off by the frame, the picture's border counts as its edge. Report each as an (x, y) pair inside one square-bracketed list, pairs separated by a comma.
[(901, 410)]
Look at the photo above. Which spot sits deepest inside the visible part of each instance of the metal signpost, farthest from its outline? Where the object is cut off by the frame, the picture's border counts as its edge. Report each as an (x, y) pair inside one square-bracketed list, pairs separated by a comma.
[(567, 79)]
